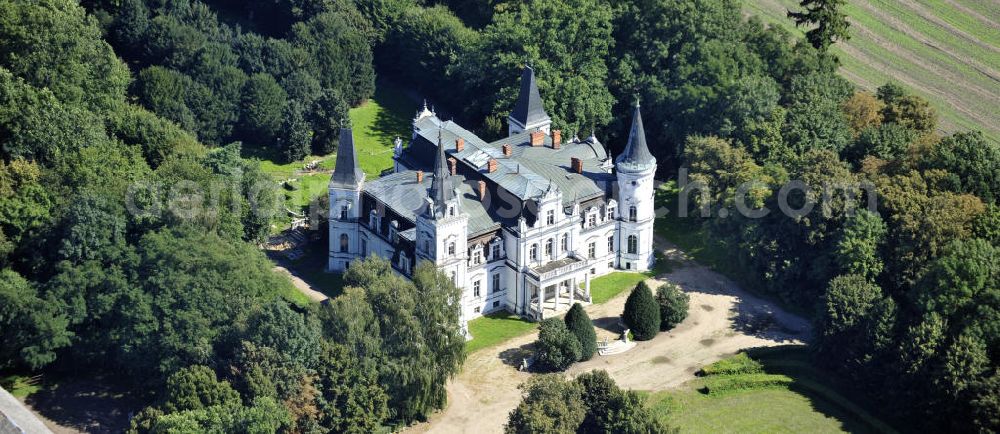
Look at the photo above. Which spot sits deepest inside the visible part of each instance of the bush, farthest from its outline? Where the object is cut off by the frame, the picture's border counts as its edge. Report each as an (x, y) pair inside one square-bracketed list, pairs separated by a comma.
[(579, 324), (642, 314), (719, 384), (738, 364), (673, 305), (557, 346)]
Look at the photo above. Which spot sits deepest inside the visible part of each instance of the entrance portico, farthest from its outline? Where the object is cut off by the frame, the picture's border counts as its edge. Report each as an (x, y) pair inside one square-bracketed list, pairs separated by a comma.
[(554, 287)]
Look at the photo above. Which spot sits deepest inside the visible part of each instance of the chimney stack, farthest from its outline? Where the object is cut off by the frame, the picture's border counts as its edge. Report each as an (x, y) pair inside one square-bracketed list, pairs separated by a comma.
[(459, 144), (420, 177), (492, 166), (482, 190), (452, 165), (507, 150), (576, 164), (556, 139), (537, 138)]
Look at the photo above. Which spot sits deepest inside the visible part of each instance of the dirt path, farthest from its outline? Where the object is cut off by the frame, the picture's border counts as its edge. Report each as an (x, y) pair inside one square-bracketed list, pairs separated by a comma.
[(302, 285), (723, 319)]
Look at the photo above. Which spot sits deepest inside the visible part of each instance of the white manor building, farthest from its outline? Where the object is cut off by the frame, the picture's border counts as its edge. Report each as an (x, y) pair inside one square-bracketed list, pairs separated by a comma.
[(520, 224)]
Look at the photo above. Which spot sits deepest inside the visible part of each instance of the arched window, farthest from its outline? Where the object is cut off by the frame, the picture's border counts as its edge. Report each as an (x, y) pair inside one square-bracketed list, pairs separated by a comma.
[(534, 252), (633, 215), (633, 244), (344, 242), (548, 247)]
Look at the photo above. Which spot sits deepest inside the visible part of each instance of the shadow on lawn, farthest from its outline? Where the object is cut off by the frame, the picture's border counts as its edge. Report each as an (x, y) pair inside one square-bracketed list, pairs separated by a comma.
[(92, 405)]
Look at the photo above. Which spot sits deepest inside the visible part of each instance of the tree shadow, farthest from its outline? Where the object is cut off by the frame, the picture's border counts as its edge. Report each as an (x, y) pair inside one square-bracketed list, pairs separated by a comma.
[(515, 357), (612, 324), (92, 405)]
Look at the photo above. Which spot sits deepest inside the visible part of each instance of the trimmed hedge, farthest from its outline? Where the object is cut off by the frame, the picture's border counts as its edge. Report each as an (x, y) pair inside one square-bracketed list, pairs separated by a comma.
[(739, 364), (718, 384), (578, 323), (642, 313)]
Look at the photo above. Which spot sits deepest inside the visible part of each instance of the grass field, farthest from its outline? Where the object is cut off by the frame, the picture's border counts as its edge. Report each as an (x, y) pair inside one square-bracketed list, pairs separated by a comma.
[(808, 402), (606, 287), (492, 329), (376, 123), (946, 51)]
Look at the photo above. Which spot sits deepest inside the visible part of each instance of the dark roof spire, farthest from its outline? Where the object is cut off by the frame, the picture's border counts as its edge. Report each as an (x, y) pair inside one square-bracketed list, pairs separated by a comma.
[(346, 173), (528, 110), (441, 188), (636, 151)]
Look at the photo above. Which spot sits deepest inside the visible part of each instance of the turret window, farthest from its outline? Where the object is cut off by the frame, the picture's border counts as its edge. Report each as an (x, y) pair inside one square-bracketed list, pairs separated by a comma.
[(633, 215), (451, 248), (344, 243), (633, 244), (343, 212)]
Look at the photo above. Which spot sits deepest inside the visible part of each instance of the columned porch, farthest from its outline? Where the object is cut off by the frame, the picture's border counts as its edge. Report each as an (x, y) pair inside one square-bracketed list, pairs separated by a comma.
[(554, 290)]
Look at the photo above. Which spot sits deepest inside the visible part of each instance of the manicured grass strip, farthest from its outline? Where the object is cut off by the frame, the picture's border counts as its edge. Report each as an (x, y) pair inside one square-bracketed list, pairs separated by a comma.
[(492, 329), (719, 384), (738, 364), (292, 295), (606, 287)]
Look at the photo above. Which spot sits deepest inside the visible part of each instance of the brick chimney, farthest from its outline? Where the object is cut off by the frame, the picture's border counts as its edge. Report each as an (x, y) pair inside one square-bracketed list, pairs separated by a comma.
[(459, 144), (507, 150), (556, 138), (482, 190), (452, 165), (420, 176), (537, 138), (576, 164), (492, 165)]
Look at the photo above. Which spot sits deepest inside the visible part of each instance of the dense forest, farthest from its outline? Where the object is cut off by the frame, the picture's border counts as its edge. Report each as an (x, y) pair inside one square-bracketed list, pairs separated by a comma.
[(106, 107)]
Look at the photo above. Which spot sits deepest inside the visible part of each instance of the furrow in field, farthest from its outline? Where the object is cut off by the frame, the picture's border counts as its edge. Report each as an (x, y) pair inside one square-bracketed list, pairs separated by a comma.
[(986, 21), (984, 42)]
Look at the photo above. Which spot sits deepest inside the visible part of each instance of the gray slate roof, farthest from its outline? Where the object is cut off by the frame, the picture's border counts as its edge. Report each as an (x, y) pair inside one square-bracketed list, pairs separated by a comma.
[(401, 192), (636, 151), (441, 189), (528, 109), (347, 172)]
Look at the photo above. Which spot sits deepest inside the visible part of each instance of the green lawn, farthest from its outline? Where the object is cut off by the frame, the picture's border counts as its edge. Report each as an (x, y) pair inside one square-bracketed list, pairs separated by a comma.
[(606, 287), (20, 386), (938, 50), (810, 403), (492, 329)]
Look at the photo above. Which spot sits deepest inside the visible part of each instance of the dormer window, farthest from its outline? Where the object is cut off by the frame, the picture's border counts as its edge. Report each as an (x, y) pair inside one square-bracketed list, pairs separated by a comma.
[(592, 219), (611, 213), (373, 220), (550, 217), (495, 251)]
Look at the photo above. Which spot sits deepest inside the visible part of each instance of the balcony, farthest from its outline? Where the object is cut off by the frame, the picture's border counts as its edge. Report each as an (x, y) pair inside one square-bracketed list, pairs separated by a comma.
[(559, 267)]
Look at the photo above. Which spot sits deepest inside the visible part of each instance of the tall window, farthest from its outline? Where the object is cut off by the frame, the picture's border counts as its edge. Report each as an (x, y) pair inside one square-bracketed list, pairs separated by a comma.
[(344, 242), (633, 215), (633, 244), (496, 283), (550, 217), (343, 212), (592, 250), (611, 244), (548, 247), (611, 213), (592, 219), (495, 251), (451, 248), (475, 289), (565, 243), (534, 252)]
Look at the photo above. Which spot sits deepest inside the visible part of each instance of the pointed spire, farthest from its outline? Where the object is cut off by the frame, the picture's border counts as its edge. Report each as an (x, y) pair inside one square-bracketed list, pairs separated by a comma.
[(441, 187), (347, 172), (529, 110), (636, 151)]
